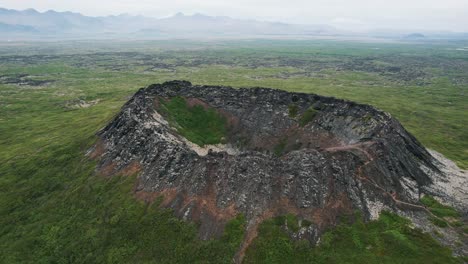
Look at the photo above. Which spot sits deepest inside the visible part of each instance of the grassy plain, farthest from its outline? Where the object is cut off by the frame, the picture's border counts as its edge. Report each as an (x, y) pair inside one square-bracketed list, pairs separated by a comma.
[(55, 96)]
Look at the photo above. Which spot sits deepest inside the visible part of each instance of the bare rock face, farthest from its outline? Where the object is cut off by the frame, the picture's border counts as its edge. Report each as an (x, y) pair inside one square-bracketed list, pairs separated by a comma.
[(316, 157)]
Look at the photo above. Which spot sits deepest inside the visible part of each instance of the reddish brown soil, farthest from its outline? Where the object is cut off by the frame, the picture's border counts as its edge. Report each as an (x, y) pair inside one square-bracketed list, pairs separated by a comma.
[(132, 169), (98, 150), (191, 102), (202, 208), (108, 169)]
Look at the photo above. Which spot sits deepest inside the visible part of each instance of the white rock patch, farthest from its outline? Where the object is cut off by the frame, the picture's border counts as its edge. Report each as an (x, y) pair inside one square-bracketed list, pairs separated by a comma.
[(452, 182), (375, 207), (411, 188), (203, 151)]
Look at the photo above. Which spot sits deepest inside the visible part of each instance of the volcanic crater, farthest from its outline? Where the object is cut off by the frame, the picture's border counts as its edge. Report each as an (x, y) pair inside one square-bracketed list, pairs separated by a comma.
[(265, 153)]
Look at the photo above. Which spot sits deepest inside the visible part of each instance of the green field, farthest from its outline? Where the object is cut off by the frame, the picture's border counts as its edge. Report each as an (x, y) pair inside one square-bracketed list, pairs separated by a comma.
[(387, 240), (54, 97)]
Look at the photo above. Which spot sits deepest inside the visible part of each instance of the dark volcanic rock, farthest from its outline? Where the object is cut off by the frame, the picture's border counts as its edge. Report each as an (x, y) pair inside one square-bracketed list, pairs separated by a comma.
[(348, 157)]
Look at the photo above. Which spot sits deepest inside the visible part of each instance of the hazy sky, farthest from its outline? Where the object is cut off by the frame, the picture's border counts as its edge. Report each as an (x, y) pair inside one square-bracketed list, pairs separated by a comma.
[(347, 14)]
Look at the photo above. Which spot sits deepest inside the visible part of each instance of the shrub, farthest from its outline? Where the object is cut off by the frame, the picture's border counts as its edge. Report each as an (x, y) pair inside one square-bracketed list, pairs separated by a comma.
[(293, 109), (306, 223), (279, 148), (292, 222), (307, 116)]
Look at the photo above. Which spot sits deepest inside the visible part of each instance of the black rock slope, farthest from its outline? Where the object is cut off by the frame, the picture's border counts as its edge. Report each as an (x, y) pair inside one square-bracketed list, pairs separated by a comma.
[(348, 157)]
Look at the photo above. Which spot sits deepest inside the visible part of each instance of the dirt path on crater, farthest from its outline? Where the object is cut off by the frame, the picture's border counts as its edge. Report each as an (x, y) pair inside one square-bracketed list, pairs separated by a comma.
[(359, 146), (250, 235)]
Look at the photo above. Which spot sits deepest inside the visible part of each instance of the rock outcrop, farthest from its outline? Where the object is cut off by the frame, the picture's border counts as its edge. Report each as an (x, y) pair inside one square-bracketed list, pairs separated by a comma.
[(316, 157)]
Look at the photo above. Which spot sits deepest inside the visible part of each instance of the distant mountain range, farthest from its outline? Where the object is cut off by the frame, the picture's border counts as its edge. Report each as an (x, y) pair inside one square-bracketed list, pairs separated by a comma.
[(51, 24), (30, 24)]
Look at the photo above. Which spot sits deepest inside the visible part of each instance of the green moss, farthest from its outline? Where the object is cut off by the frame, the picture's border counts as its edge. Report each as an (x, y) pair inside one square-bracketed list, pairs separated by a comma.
[(280, 147), (367, 118), (438, 234), (438, 222), (292, 222), (293, 109), (465, 230), (307, 116), (279, 220), (306, 223), (288, 220), (197, 124)]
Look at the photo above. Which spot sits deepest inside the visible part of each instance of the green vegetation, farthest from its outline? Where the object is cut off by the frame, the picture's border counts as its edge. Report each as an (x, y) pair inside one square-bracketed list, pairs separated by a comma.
[(390, 239), (197, 124), (438, 222), (306, 223), (307, 116), (288, 220), (367, 118), (464, 259), (54, 209), (437, 208), (443, 215), (293, 109), (280, 147)]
